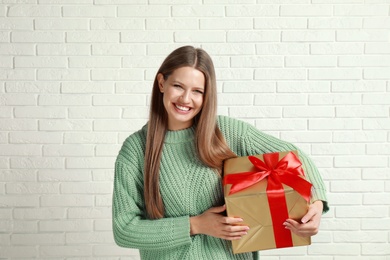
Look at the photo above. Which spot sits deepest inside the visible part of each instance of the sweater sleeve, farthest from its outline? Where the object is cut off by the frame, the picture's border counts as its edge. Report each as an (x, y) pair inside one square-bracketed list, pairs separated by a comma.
[(130, 227), (244, 139), (257, 142)]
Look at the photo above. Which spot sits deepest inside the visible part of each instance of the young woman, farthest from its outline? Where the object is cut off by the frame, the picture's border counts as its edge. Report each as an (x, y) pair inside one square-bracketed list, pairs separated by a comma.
[(168, 199)]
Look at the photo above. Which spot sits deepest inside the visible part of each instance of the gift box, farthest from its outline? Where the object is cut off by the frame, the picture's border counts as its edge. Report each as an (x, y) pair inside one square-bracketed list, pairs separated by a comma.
[(265, 190)]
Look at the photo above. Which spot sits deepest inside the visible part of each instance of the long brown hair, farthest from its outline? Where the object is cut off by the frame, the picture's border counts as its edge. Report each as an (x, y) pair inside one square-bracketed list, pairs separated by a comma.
[(211, 145)]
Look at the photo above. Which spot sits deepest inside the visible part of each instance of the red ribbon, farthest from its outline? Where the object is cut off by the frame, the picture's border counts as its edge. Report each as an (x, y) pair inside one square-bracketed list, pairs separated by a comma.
[(286, 171)]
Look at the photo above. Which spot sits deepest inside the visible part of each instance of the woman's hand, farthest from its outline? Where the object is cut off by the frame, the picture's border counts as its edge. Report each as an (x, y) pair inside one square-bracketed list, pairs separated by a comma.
[(310, 222), (213, 223)]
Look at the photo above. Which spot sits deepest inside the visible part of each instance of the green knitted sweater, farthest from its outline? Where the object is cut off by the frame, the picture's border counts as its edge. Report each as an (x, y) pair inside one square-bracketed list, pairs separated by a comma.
[(188, 188)]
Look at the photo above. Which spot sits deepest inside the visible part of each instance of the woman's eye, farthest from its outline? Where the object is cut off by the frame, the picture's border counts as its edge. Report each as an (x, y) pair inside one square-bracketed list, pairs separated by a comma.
[(199, 92), (177, 86)]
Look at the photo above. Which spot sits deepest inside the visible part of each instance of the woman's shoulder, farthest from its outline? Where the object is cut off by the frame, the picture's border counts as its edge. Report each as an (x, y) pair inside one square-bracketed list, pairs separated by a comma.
[(228, 124), (137, 137), (237, 128), (134, 145)]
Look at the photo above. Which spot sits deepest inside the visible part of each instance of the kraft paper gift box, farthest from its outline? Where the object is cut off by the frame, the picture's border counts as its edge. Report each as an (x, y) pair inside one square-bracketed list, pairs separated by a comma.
[(252, 202)]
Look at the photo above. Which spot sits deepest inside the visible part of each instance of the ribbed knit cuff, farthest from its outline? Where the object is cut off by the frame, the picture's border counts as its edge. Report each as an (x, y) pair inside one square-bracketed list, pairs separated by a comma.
[(181, 230)]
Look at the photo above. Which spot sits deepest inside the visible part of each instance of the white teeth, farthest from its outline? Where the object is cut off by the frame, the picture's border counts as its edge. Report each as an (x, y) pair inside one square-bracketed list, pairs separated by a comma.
[(182, 108)]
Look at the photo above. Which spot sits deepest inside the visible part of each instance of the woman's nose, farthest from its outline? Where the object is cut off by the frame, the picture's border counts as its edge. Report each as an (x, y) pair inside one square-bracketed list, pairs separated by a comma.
[(186, 97)]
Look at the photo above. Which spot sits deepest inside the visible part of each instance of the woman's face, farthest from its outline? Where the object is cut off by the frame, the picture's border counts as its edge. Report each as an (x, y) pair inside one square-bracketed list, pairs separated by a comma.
[(183, 96)]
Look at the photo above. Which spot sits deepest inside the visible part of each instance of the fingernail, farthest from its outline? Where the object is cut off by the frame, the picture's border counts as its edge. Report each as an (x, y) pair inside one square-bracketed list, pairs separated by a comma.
[(285, 223)]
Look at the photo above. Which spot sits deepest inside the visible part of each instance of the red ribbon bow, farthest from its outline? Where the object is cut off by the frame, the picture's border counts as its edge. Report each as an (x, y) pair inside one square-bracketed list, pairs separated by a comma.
[(285, 171)]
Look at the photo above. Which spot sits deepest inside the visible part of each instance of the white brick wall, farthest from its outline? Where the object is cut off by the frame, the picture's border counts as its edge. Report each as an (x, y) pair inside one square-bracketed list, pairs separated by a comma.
[(75, 81)]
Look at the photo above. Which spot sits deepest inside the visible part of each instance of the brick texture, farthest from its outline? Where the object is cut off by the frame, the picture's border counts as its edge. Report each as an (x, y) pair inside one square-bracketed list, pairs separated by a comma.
[(75, 81)]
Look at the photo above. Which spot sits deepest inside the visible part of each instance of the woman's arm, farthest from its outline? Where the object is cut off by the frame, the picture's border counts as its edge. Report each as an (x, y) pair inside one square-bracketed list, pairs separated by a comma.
[(257, 142), (130, 226), (131, 229)]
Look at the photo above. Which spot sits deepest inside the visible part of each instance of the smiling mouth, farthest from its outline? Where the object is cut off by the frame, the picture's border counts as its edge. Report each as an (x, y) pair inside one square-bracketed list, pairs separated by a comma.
[(181, 108)]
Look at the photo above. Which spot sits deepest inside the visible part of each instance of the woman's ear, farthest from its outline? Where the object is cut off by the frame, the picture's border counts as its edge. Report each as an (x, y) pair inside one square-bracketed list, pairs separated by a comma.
[(160, 80)]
